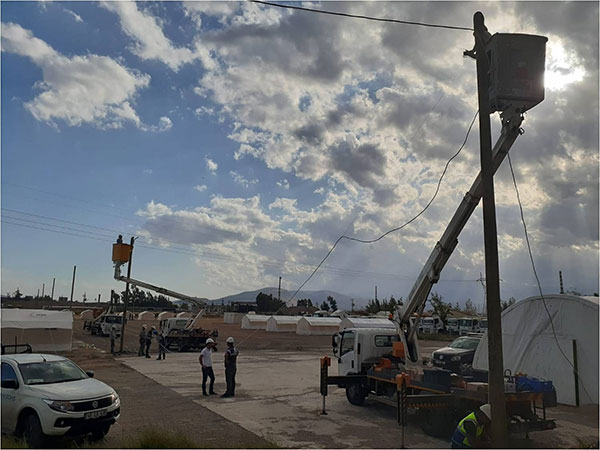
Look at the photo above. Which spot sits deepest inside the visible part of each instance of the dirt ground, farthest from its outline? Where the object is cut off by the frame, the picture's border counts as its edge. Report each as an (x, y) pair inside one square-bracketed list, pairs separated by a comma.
[(169, 395)]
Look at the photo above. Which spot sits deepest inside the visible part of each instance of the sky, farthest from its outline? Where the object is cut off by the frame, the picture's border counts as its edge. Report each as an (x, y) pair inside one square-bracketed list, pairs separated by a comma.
[(238, 141)]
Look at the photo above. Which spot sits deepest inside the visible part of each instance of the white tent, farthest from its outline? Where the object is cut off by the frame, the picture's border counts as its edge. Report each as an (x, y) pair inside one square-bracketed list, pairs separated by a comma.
[(145, 315), (233, 317), (87, 314), (254, 322), (361, 322), (529, 345), (45, 331), (318, 325), (166, 315), (184, 315), (283, 324)]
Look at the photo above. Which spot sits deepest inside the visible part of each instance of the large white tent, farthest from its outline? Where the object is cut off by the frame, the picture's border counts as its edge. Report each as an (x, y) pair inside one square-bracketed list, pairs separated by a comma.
[(283, 324), (254, 322), (145, 315), (233, 317), (87, 314), (530, 346), (166, 315), (363, 322), (184, 315), (45, 331), (318, 325)]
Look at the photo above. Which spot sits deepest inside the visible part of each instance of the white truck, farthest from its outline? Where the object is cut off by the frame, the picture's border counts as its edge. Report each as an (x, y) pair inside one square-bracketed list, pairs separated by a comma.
[(49, 395), (102, 324), (431, 325), (468, 325), (452, 325)]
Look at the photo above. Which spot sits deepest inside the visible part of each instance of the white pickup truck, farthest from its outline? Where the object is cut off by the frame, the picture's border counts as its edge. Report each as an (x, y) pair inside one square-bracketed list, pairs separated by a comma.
[(49, 395)]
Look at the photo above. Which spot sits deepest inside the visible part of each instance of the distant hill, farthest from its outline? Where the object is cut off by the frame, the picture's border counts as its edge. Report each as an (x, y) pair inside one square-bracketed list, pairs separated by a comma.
[(317, 297)]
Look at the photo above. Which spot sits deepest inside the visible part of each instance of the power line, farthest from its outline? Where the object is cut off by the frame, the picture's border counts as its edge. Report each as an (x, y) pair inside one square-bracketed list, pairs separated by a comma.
[(370, 241), (357, 16), (537, 279)]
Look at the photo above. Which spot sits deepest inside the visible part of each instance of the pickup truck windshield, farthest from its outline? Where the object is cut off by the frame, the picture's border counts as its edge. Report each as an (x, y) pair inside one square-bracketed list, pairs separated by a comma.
[(113, 319), (50, 372), (465, 342)]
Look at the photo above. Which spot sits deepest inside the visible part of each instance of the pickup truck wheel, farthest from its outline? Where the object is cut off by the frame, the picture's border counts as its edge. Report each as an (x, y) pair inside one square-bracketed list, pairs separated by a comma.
[(32, 431), (99, 434), (355, 394)]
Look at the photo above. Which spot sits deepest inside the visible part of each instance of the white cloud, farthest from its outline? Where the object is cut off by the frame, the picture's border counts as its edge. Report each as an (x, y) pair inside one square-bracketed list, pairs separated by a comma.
[(148, 171), (150, 40), (239, 179), (200, 187), (285, 184), (75, 16), (211, 165), (90, 89)]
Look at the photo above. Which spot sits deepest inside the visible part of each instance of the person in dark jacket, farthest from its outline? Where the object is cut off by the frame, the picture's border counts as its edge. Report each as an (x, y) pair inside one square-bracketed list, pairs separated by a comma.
[(142, 338), (149, 340), (231, 355), (162, 344)]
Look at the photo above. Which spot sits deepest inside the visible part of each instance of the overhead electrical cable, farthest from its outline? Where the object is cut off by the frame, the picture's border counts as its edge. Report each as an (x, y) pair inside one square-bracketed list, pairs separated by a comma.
[(537, 279), (358, 16), (370, 241)]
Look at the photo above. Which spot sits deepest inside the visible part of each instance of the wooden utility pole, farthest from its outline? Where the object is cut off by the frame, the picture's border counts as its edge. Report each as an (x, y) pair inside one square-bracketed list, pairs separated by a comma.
[(72, 288), (562, 291), (279, 291), (126, 299), (43, 289), (496, 363), (52, 295)]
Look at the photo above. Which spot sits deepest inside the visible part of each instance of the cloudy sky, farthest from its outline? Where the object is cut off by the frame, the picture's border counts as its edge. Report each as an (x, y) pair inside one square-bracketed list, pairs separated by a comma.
[(238, 141)]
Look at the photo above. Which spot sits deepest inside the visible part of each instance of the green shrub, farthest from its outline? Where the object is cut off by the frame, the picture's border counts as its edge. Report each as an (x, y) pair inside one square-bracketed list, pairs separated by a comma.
[(13, 442)]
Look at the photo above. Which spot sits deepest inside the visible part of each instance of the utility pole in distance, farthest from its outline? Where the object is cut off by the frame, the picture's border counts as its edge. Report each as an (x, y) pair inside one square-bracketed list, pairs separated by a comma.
[(72, 288), (126, 299), (279, 291), (495, 363), (52, 295)]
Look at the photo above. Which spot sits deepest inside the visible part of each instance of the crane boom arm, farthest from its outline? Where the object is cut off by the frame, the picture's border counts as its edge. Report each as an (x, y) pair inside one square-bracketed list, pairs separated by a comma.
[(430, 274), (160, 290)]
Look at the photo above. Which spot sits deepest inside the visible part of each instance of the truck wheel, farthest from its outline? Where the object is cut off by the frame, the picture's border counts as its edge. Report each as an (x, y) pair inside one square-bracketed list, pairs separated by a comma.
[(32, 431), (437, 422), (99, 433), (355, 394)]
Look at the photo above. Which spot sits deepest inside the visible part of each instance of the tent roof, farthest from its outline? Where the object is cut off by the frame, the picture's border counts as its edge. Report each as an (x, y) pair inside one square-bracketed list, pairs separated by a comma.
[(256, 317), (360, 322), (285, 319), (36, 318), (323, 321)]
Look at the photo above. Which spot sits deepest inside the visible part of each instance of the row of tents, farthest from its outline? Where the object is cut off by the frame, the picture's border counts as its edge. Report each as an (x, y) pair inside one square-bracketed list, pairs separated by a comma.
[(307, 326), (144, 315)]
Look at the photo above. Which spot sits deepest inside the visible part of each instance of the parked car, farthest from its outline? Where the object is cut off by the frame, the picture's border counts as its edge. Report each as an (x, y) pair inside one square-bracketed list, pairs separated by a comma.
[(49, 395), (458, 356)]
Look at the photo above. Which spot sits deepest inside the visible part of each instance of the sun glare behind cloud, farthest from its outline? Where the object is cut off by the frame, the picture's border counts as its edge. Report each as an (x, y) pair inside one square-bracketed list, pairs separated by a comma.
[(562, 67)]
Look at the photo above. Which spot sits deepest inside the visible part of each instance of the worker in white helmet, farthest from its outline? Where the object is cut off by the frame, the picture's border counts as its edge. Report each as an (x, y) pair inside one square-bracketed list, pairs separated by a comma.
[(231, 354), (471, 432), (207, 366)]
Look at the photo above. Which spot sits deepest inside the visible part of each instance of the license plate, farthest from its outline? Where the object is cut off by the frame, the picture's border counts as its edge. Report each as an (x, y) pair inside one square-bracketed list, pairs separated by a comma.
[(95, 414)]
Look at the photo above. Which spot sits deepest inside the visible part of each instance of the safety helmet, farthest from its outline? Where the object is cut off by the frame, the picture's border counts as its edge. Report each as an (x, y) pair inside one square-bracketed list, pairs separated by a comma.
[(144, 326), (153, 327), (486, 410), (229, 340), (210, 341)]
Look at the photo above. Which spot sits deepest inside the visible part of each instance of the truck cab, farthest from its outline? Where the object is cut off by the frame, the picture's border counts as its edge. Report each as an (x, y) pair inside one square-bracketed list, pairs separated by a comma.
[(358, 349), (468, 325), (452, 325), (173, 323), (431, 325)]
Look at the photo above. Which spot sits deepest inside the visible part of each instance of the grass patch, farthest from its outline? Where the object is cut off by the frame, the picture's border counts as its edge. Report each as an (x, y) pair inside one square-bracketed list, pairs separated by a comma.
[(13, 442), (436, 337)]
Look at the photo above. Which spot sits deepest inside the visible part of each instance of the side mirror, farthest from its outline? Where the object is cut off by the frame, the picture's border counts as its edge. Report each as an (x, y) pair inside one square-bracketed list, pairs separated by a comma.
[(90, 373), (10, 384), (334, 343)]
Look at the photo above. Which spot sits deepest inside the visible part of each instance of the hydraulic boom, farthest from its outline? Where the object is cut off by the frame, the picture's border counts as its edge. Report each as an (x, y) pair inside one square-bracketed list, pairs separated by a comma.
[(511, 122)]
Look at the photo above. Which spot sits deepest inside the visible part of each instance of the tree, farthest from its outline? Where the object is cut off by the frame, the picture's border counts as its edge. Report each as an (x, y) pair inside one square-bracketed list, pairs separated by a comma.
[(266, 303), (505, 304), (332, 302), (325, 306), (470, 308), (440, 308), (17, 294)]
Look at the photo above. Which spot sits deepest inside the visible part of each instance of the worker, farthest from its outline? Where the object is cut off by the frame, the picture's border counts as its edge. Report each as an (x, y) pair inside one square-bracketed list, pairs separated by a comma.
[(471, 432), (148, 342), (162, 344), (113, 336), (142, 338), (120, 239), (231, 355), (207, 367)]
